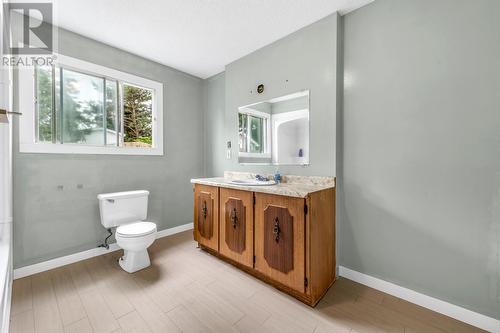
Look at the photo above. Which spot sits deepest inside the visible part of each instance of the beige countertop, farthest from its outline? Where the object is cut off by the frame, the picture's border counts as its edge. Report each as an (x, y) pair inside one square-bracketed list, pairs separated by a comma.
[(292, 186)]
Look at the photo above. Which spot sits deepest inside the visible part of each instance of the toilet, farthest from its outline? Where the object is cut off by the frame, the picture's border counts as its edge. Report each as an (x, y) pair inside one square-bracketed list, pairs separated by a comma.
[(127, 211)]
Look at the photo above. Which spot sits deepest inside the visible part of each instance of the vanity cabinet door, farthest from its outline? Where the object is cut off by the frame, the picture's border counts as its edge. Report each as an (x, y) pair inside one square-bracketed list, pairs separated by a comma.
[(206, 216), (280, 239), (236, 225)]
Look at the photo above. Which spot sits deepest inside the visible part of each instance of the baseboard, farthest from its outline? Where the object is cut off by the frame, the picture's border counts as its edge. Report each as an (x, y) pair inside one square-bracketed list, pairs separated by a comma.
[(174, 230), (72, 258), (467, 316)]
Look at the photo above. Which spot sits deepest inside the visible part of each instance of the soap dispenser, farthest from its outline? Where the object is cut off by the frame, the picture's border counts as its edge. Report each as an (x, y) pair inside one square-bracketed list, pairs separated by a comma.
[(277, 176)]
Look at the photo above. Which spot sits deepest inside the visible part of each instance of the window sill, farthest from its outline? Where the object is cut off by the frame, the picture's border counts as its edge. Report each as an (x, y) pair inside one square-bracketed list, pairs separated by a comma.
[(40, 148)]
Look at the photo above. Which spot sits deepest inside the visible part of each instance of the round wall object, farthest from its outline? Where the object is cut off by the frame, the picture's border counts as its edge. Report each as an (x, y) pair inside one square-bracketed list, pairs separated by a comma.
[(260, 88)]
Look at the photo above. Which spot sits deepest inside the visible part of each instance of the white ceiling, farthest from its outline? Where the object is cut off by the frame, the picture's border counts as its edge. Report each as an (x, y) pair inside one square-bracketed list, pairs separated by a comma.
[(198, 37)]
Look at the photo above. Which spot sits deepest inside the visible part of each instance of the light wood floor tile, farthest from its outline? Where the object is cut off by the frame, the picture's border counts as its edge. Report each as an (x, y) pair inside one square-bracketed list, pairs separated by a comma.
[(248, 325), (371, 314), (340, 308), (133, 322), (359, 290), (45, 307), (167, 301), (155, 318), (186, 289), (216, 303), (355, 321), (208, 316), (22, 298), (331, 327), (81, 326), (68, 300), (431, 318), (22, 322), (81, 277), (186, 321), (253, 312), (394, 318), (285, 309), (99, 314), (104, 279)]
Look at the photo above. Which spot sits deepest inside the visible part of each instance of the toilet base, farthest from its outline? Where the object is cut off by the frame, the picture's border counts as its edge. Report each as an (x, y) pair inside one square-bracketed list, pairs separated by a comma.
[(133, 261)]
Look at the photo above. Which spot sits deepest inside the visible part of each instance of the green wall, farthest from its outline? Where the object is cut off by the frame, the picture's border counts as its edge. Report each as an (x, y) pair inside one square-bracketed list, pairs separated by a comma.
[(420, 173)]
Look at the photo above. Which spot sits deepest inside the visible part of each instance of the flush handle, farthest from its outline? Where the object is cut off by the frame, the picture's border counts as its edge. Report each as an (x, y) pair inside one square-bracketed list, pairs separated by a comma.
[(111, 200)]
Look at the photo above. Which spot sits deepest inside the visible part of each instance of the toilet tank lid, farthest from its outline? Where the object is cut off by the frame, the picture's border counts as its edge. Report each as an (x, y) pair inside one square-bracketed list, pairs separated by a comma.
[(122, 195)]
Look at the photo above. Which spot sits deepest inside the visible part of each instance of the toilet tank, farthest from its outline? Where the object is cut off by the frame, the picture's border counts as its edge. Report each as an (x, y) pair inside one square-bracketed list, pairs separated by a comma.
[(123, 207)]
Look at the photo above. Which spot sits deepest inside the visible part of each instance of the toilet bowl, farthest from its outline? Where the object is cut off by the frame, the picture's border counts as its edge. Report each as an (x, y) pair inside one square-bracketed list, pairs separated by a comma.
[(134, 239), (126, 211)]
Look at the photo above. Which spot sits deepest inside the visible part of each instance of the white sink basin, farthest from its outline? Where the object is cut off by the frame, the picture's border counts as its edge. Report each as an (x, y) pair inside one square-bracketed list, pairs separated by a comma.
[(251, 182)]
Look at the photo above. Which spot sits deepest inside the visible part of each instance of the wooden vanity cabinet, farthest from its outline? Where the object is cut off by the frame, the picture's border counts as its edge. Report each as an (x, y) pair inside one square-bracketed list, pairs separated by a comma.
[(206, 216), (236, 225), (286, 241)]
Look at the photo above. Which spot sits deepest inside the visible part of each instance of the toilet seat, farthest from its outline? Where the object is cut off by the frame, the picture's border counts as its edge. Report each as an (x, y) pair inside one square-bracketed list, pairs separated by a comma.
[(136, 229)]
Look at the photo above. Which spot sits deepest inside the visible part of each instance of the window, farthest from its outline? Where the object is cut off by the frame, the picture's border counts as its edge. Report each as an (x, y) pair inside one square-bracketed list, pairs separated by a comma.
[(254, 133), (137, 116), (79, 107)]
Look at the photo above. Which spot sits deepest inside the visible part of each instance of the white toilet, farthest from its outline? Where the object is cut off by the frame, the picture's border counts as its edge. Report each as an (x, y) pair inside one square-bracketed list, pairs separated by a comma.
[(127, 210)]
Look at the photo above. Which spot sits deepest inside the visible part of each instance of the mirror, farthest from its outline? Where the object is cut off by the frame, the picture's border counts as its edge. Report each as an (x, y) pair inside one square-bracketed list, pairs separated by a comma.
[(275, 131)]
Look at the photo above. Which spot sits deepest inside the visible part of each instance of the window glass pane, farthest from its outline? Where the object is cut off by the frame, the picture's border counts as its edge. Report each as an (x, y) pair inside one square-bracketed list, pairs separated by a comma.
[(242, 130), (111, 113), (82, 108), (256, 135), (90, 110), (137, 116), (44, 103)]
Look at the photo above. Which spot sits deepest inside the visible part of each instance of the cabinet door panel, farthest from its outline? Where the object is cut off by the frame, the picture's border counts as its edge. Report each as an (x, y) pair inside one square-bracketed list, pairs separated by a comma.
[(206, 216), (280, 239), (236, 225)]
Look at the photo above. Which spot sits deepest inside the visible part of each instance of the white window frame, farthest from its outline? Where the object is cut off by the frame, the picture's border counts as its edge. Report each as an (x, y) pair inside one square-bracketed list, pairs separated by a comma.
[(266, 136), (27, 122)]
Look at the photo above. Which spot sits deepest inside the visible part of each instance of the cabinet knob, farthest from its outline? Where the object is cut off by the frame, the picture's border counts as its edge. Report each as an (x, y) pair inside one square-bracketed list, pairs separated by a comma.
[(234, 217), (276, 230)]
